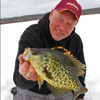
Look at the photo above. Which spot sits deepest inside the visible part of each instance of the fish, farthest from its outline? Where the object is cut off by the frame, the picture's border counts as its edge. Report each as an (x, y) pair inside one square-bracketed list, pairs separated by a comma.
[(60, 71)]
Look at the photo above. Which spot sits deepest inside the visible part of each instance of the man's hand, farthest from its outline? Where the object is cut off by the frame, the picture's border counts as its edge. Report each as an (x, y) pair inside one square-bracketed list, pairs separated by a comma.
[(26, 70)]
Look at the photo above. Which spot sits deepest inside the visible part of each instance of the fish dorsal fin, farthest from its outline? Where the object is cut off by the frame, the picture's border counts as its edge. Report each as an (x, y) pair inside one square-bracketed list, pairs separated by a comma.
[(80, 66), (56, 91)]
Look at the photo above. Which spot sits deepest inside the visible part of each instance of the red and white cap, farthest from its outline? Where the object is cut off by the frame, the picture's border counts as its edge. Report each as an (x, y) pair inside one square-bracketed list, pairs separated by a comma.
[(71, 5)]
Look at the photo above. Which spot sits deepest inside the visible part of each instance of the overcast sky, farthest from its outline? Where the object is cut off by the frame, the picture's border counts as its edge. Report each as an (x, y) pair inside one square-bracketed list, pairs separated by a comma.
[(13, 8)]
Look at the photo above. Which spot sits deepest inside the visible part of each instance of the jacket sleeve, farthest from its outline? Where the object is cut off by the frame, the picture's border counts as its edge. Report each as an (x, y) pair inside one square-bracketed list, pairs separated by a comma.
[(81, 58), (28, 39)]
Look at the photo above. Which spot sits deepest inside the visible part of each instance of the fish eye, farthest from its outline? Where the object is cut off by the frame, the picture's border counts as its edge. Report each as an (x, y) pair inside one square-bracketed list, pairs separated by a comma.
[(35, 52)]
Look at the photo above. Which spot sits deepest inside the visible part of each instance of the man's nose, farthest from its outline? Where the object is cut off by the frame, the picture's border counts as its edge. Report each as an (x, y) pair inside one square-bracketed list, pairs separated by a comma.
[(63, 27)]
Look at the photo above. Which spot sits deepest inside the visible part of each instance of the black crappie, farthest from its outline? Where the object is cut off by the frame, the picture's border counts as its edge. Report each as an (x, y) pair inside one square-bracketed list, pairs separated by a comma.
[(58, 70)]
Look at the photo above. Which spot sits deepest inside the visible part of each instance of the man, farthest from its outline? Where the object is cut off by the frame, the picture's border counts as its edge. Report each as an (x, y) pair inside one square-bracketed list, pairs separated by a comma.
[(56, 30)]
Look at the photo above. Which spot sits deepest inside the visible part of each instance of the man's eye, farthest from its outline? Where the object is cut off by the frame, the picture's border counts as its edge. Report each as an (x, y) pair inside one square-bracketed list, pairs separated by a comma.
[(69, 24), (60, 20)]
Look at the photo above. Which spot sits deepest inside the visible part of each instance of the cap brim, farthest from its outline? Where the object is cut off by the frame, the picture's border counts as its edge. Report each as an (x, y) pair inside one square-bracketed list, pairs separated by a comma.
[(60, 10)]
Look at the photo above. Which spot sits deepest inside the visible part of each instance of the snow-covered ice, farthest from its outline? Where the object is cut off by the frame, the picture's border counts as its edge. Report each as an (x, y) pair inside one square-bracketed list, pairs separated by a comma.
[(87, 28)]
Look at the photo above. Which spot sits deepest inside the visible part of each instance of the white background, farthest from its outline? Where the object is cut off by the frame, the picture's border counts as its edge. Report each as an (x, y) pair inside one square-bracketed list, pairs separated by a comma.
[(89, 30)]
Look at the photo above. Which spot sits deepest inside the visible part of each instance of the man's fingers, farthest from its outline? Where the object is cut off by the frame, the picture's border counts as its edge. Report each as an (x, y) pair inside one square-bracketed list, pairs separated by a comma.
[(21, 58), (31, 72), (35, 78), (23, 68), (26, 70), (32, 75)]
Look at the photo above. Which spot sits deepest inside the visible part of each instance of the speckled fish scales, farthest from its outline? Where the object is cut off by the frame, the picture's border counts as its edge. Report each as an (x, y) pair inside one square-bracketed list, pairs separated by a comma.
[(58, 70)]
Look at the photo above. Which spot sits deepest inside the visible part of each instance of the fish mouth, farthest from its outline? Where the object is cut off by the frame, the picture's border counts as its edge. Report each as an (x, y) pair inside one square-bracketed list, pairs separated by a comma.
[(27, 53), (25, 58)]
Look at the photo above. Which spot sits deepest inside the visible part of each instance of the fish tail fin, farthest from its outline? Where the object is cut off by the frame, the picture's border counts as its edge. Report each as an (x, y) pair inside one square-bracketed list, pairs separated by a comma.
[(82, 91)]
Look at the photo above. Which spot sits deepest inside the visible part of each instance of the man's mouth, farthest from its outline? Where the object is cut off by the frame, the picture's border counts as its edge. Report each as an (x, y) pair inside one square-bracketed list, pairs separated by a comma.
[(59, 32)]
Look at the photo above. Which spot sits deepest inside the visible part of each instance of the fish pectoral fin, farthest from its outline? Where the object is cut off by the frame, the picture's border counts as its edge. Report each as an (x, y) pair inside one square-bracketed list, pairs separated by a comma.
[(40, 81), (82, 91), (56, 91), (47, 73)]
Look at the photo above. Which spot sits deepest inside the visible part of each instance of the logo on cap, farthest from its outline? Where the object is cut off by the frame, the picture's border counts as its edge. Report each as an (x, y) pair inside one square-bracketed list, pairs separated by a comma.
[(72, 5)]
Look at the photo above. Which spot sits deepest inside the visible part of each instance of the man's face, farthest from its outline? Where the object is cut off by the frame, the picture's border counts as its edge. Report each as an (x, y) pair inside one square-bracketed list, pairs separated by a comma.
[(61, 24)]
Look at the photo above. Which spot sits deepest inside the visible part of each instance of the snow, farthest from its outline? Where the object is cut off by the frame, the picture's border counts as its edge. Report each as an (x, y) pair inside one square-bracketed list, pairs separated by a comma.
[(10, 35), (87, 28)]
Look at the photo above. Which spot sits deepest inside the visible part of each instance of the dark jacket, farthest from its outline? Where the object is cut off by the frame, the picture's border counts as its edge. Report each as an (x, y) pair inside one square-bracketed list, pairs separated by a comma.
[(38, 36)]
